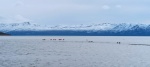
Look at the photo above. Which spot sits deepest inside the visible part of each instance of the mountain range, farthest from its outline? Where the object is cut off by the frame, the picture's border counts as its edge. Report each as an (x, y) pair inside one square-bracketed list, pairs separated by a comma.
[(102, 29)]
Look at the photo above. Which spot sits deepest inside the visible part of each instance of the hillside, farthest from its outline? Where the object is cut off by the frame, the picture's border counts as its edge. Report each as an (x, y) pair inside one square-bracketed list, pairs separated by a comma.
[(102, 29), (2, 34)]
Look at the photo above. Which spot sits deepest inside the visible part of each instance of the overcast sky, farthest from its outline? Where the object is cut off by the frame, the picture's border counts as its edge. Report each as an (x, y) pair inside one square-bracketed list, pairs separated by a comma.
[(72, 12)]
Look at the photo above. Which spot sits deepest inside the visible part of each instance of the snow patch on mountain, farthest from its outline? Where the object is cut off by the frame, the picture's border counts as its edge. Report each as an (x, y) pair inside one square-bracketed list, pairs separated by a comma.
[(27, 26)]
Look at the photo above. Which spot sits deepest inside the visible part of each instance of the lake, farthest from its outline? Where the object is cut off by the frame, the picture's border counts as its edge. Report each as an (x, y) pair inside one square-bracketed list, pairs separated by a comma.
[(74, 51)]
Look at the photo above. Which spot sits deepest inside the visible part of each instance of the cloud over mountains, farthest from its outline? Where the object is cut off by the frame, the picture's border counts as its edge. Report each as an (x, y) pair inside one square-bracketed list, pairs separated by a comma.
[(75, 11)]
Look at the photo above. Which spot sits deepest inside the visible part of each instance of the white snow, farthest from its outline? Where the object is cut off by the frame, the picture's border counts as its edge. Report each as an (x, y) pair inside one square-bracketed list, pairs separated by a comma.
[(27, 26), (75, 51)]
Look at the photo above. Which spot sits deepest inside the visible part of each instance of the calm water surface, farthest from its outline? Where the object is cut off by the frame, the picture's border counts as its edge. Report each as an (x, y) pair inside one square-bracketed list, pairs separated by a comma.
[(105, 39)]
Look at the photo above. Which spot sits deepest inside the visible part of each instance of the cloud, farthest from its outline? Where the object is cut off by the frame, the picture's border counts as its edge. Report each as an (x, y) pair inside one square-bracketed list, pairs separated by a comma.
[(135, 9), (106, 7), (20, 18), (2, 19), (14, 19), (118, 6), (19, 3), (72, 11)]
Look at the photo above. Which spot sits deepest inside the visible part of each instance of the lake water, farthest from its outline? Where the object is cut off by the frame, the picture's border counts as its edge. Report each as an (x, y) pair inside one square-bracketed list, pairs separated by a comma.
[(102, 39), (74, 51)]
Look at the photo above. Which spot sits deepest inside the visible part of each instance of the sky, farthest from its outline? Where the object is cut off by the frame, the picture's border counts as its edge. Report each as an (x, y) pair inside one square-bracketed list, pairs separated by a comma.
[(73, 12)]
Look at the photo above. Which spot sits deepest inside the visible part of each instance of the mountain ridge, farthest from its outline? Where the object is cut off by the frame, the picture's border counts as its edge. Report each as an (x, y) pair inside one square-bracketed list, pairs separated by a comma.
[(103, 29)]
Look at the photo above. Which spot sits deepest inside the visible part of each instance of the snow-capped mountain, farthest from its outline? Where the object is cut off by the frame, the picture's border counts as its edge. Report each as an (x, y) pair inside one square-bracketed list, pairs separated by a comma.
[(19, 27), (27, 26), (99, 28)]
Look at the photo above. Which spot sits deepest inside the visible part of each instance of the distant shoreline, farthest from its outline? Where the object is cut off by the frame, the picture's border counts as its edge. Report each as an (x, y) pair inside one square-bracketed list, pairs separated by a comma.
[(74, 35)]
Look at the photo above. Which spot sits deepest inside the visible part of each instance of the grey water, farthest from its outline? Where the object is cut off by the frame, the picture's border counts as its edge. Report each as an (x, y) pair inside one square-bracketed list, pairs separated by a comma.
[(133, 40)]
